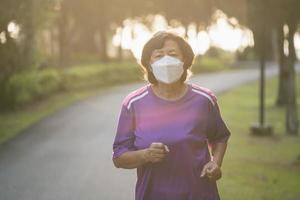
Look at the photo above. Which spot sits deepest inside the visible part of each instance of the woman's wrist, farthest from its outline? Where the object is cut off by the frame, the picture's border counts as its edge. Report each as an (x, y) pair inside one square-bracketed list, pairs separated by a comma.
[(216, 161), (144, 155), (218, 151)]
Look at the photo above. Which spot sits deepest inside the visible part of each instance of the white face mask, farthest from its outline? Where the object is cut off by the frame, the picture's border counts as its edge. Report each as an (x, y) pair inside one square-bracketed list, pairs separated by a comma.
[(167, 69)]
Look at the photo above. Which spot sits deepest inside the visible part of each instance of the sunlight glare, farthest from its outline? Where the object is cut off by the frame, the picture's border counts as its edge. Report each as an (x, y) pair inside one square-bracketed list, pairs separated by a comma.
[(13, 29), (134, 35), (225, 36)]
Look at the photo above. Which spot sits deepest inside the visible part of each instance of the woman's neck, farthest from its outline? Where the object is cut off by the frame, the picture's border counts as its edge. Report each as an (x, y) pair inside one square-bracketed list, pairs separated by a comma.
[(170, 91)]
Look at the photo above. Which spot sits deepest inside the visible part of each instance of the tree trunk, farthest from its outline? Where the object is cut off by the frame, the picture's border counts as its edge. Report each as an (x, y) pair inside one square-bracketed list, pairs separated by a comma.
[(120, 50), (87, 43), (283, 69), (63, 38), (186, 27), (9, 64), (291, 112), (103, 43), (28, 51)]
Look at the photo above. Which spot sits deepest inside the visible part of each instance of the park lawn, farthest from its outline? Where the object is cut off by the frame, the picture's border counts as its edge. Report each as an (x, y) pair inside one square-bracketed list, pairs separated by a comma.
[(258, 168)]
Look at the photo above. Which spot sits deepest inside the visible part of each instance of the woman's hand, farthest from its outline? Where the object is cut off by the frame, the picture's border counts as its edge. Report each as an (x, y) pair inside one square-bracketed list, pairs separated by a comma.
[(156, 152), (212, 171)]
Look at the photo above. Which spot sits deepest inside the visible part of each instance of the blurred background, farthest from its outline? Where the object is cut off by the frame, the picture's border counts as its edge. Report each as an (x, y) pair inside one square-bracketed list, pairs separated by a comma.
[(64, 40), (56, 52)]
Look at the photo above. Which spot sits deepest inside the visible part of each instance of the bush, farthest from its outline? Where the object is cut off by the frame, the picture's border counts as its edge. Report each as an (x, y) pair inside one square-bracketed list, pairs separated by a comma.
[(247, 54), (99, 74), (23, 88), (26, 87), (208, 64), (29, 86)]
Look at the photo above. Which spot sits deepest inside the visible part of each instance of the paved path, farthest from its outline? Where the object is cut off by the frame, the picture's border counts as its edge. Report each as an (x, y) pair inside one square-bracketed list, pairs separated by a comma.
[(67, 156)]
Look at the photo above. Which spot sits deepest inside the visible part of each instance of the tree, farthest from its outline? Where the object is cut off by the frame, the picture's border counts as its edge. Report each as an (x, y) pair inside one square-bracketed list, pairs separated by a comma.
[(18, 53), (276, 13), (293, 19)]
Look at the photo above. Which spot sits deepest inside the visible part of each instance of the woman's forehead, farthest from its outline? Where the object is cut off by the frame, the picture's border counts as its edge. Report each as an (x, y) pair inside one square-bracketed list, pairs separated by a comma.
[(169, 45)]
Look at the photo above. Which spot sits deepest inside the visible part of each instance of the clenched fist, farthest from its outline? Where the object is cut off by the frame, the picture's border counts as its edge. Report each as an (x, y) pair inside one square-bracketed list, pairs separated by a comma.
[(156, 152), (212, 171)]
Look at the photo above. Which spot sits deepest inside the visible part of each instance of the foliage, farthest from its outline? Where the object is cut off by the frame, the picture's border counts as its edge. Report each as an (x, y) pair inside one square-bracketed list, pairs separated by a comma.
[(29, 86)]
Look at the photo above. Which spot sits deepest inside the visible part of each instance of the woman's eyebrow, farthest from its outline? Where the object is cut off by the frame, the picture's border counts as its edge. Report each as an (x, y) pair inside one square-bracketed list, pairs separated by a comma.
[(172, 50), (160, 51), (157, 51)]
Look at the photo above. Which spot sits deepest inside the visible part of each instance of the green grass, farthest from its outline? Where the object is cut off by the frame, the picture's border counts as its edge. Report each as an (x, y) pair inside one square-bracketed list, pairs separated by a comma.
[(258, 168), (209, 64)]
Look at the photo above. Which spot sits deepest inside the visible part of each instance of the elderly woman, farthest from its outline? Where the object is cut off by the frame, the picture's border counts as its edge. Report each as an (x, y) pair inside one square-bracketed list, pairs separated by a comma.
[(170, 130)]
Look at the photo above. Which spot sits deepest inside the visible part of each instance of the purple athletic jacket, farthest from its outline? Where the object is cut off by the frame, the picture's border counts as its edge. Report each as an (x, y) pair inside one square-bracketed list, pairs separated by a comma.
[(187, 126)]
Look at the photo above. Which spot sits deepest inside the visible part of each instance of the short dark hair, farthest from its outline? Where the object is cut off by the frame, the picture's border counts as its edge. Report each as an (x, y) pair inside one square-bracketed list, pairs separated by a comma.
[(157, 42)]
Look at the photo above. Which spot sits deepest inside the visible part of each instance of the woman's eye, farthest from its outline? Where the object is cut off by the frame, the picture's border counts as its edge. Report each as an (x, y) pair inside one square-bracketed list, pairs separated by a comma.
[(174, 55)]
